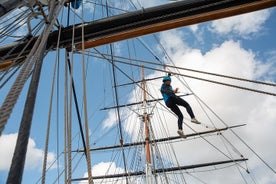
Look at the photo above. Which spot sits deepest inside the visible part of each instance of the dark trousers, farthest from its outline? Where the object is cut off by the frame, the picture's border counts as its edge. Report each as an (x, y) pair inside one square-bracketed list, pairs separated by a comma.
[(172, 103)]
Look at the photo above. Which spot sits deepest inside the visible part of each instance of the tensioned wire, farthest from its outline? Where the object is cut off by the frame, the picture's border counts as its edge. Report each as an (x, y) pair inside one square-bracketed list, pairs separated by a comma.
[(160, 123), (170, 157), (221, 138), (6, 70), (88, 159), (116, 101), (17, 86), (213, 145), (118, 68), (13, 25), (50, 110), (167, 151), (198, 78), (183, 68), (255, 153), (163, 105), (197, 98), (185, 123)]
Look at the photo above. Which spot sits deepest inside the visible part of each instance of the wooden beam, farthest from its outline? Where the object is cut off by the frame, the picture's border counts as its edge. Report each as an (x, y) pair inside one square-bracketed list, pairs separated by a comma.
[(5, 64), (185, 21)]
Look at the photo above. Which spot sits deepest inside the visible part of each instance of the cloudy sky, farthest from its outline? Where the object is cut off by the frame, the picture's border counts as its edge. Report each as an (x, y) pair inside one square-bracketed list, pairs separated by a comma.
[(241, 46)]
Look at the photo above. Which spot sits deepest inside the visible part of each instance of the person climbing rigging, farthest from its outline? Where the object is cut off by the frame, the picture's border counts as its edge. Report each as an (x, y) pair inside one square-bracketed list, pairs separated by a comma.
[(172, 101)]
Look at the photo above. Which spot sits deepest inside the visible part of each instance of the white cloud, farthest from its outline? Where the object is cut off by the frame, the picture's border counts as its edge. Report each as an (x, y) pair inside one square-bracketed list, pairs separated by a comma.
[(34, 158), (235, 106), (111, 120), (243, 25), (104, 168)]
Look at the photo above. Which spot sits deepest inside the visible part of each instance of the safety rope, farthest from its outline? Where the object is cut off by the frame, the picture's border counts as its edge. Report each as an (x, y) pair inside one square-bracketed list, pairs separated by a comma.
[(187, 69), (90, 179), (50, 108), (18, 161), (15, 90), (48, 125), (206, 80), (66, 117)]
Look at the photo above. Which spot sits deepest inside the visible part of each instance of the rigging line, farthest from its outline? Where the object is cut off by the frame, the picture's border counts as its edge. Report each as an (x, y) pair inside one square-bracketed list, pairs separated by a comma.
[(185, 83), (149, 49), (212, 144), (128, 76), (12, 28), (236, 165), (191, 70), (203, 110), (13, 20), (50, 166), (135, 161), (17, 166), (188, 87), (64, 170), (8, 18), (117, 103), (200, 71), (159, 153), (132, 72), (49, 124), (88, 159), (65, 116), (66, 105), (57, 99), (111, 7), (50, 111), (76, 101), (9, 77), (17, 86), (57, 107), (255, 153), (68, 175), (118, 68), (206, 80)]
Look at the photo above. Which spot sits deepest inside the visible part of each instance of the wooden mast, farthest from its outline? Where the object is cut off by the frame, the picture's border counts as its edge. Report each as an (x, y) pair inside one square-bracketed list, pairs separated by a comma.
[(147, 137)]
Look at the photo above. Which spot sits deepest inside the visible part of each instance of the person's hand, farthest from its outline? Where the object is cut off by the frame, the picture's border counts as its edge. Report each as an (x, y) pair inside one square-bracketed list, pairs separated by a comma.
[(176, 90)]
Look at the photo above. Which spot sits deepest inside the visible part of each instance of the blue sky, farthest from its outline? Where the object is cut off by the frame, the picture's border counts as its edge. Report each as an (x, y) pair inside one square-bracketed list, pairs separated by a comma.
[(242, 46)]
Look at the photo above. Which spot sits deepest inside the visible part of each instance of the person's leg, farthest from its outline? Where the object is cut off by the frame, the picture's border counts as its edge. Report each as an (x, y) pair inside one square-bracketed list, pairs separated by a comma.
[(180, 101), (177, 111), (171, 104)]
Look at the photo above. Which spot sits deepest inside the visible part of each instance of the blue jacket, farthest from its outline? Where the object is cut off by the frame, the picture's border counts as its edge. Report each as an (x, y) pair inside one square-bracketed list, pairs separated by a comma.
[(167, 92)]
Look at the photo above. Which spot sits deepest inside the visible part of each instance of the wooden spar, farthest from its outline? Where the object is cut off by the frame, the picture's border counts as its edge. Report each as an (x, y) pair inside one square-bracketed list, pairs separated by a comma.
[(5, 64), (141, 22), (137, 103), (162, 170), (161, 140), (184, 21), (145, 119)]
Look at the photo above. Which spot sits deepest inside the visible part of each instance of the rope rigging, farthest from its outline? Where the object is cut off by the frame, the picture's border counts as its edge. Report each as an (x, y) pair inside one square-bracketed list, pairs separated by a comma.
[(136, 159), (176, 67), (195, 131), (202, 79), (117, 102)]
